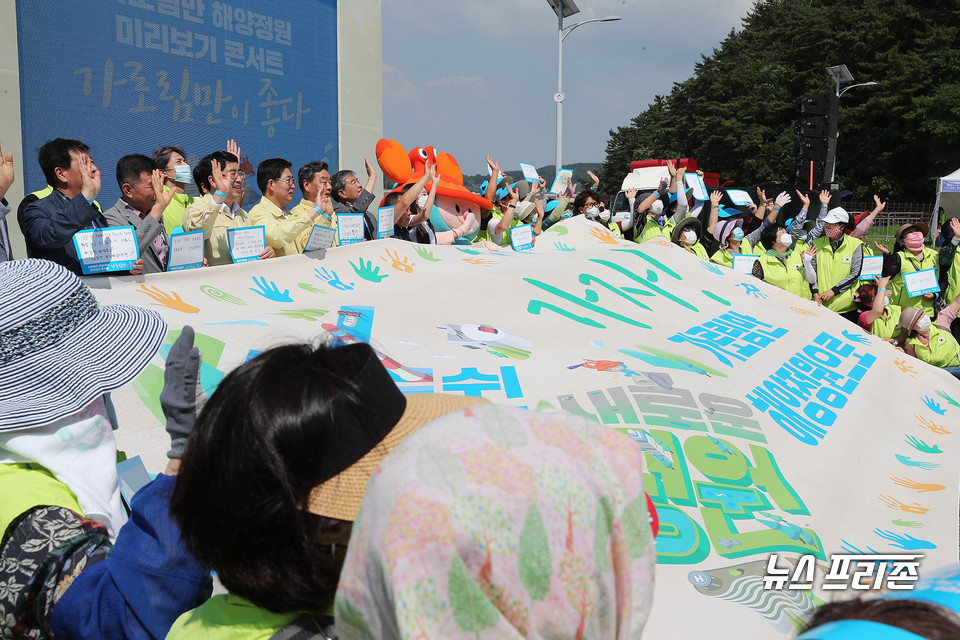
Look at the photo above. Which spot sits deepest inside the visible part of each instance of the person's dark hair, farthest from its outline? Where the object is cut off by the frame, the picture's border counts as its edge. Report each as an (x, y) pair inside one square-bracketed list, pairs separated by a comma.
[(423, 237), (204, 169), (866, 296), (129, 168), (162, 155), (309, 170), (768, 237), (248, 469), (339, 182), (581, 199), (270, 169), (925, 619), (55, 154)]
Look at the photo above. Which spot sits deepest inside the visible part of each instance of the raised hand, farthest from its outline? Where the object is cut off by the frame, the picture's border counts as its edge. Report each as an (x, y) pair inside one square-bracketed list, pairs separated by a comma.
[(631, 194), (781, 200), (89, 177), (810, 251), (6, 172), (163, 196), (715, 197), (182, 397), (955, 227), (879, 205), (664, 185), (234, 148), (596, 180), (671, 168), (825, 197), (270, 291), (803, 198), (221, 182), (880, 247), (761, 196), (371, 172)]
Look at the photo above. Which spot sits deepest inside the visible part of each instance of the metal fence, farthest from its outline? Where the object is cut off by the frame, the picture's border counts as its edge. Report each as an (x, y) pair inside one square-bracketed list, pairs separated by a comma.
[(892, 217)]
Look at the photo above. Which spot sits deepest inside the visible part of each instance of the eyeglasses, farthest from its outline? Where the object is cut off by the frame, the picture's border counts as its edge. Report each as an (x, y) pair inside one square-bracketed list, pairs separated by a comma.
[(234, 173), (290, 180), (353, 180)]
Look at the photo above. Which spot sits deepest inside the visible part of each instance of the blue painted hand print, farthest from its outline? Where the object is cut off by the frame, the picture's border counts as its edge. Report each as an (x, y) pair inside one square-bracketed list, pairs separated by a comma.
[(860, 338), (752, 290), (331, 278), (270, 291), (934, 406), (916, 463), (904, 540)]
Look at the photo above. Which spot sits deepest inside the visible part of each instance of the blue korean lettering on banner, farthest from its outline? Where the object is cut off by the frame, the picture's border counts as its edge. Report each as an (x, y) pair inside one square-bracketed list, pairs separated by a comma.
[(804, 395), (128, 76)]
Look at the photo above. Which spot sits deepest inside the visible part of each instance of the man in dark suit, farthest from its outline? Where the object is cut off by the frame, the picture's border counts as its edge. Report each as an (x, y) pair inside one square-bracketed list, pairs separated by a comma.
[(49, 223), (141, 206)]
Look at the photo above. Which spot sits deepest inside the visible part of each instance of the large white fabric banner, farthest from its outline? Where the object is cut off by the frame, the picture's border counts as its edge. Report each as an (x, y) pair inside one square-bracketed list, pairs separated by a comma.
[(769, 423)]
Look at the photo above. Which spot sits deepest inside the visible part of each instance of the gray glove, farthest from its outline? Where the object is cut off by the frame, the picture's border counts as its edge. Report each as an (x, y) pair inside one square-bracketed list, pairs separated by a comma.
[(182, 397)]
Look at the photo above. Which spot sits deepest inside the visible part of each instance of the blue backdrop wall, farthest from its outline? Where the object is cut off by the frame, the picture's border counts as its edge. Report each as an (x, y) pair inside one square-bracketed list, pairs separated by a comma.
[(127, 76)]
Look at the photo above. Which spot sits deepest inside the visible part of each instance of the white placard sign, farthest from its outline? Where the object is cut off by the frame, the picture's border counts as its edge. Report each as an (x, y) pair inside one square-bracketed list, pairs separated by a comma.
[(385, 221), (246, 243), (186, 251), (349, 228), (871, 267), (744, 264), (530, 173), (560, 182), (740, 197), (320, 238), (110, 249), (695, 181), (521, 237), (921, 282)]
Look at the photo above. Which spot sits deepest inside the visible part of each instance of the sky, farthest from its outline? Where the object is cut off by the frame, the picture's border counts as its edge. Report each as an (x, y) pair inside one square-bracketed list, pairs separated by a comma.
[(473, 78)]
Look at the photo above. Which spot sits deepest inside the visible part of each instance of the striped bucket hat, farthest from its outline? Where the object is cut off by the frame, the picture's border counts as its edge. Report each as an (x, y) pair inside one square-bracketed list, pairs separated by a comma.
[(58, 349)]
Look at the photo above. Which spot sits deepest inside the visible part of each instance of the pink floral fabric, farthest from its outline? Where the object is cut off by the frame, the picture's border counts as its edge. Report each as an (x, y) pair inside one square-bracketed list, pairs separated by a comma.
[(497, 522)]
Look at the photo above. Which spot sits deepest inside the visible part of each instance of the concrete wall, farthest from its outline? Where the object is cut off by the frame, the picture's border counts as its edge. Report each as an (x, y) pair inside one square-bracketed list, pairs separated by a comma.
[(10, 138), (361, 90)]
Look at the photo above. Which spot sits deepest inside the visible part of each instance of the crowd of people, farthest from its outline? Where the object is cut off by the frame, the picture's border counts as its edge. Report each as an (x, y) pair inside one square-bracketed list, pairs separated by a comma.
[(340, 507), (814, 256)]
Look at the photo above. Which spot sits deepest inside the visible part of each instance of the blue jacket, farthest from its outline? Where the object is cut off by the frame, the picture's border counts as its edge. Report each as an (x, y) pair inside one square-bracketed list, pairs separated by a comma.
[(145, 584), (48, 226)]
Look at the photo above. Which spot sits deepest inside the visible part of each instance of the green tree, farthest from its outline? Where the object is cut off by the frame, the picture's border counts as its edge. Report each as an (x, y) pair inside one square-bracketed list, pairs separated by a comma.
[(736, 114)]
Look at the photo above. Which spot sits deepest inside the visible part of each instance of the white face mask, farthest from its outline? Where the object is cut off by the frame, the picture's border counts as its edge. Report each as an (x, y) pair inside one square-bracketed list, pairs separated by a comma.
[(786, 240), (592, 212), (923, 324), (689, 236), (422, 201)]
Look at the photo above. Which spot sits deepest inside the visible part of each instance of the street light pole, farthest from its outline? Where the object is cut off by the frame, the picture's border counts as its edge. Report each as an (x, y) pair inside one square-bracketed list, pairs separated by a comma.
[(570, 8), (558, 96)]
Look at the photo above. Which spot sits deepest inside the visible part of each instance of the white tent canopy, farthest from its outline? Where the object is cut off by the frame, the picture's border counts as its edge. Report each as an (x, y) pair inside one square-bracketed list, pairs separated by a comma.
[(948, 197)]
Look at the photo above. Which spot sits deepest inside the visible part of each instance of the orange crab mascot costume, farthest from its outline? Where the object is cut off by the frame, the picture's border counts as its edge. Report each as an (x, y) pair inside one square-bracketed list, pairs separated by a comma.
[(453, 202)]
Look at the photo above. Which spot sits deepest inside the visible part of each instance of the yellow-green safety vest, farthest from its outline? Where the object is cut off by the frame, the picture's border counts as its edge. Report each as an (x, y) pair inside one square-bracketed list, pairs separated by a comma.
[(832, 267), (789, 276), (909, 264)]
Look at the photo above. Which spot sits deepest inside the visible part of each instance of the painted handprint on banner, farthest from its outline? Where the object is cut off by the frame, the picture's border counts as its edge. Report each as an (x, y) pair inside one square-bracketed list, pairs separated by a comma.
[(331, 278), (170, 300)]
